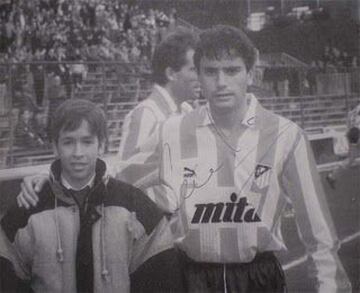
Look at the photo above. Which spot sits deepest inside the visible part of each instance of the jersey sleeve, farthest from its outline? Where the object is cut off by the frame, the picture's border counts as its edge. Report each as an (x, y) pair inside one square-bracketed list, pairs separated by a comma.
[(142, 169), (301, 182)]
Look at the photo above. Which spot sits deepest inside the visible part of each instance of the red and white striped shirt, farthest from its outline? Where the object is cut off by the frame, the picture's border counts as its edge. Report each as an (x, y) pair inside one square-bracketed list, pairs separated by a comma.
[(230, 192)]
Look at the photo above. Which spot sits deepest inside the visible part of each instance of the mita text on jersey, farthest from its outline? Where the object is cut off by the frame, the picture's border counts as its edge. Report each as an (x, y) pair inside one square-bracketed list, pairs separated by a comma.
[(236, 212)]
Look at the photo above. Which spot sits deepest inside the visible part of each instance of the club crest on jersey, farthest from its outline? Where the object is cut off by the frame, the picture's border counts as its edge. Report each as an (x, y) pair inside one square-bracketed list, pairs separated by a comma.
[(262, 175), (189, 176)]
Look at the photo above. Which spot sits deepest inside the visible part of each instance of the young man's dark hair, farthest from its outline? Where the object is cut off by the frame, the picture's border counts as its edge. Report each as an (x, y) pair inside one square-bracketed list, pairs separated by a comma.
[(69, 115), (171, 52), (220, 40)]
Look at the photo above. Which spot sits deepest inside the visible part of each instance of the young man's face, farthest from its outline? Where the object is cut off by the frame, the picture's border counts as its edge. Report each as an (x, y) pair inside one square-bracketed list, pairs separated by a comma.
[(186, 83), (78, 151), (224, 82)]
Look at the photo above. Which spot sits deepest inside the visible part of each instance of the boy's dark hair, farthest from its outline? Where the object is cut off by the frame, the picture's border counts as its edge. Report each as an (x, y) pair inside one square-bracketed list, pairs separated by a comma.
[(171, 52), (224, 40), (70, 114)]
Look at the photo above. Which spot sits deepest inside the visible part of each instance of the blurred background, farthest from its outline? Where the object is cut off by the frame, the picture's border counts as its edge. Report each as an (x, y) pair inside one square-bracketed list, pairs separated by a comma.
[(308, 71)]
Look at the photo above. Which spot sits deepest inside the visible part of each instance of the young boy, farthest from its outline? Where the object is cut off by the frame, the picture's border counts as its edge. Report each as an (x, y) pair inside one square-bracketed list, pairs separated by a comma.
[(89, 232)]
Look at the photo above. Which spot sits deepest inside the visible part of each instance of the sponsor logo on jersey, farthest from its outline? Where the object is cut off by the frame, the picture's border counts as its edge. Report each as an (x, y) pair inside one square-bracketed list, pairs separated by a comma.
[(237, 210), (189, 173)]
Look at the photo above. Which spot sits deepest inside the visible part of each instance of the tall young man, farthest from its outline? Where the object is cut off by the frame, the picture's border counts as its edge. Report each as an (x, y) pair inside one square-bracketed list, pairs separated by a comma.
[(88, 232), (233, 166)]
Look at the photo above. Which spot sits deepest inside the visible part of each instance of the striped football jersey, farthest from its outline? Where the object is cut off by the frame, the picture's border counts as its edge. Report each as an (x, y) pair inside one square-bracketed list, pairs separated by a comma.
[(141, 122), (230, 191)]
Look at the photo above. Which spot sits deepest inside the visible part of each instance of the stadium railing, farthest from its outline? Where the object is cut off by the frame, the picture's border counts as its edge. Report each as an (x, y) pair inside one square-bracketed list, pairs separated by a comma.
[(322, 144), (118, 87)]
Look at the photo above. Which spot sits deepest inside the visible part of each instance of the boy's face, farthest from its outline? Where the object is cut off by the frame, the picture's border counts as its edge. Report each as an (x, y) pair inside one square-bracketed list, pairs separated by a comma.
[(78, 151), (224, 82)]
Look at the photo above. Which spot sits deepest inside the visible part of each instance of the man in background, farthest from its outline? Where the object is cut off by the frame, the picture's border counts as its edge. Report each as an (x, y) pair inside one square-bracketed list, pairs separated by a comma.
[(176, 86)]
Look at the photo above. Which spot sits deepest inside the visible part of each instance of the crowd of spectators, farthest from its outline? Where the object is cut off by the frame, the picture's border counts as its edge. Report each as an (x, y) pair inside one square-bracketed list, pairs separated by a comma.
[(335, 60), (78, 30), (332, 60), (71, 30), (57, 30)]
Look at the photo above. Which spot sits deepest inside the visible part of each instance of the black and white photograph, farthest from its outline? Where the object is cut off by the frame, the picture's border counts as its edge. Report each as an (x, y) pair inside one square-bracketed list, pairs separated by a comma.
[(191, 146)]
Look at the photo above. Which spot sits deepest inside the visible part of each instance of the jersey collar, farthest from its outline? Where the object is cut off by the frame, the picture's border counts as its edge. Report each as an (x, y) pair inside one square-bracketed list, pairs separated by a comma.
[(167, 97), (249, 119), (185, 107)]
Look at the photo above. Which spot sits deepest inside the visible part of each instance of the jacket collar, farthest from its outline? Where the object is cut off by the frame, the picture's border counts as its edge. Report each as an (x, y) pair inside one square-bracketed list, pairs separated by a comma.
[(100, 182), (67, 185)]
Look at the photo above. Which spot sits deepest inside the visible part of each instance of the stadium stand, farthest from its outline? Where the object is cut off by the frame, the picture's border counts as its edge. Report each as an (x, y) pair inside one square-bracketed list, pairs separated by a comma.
[(112, 69), (107, 62), (311, 112), (118, 86)]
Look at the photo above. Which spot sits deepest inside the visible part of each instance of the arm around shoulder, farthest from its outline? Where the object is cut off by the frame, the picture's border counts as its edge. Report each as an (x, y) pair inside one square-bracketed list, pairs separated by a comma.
[(30, 187)]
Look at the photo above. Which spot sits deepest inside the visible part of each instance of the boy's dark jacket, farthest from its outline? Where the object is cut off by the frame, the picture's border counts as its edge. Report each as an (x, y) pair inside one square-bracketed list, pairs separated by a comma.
[(50, 245)]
